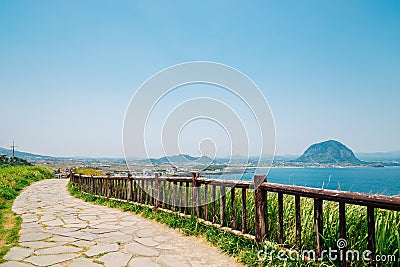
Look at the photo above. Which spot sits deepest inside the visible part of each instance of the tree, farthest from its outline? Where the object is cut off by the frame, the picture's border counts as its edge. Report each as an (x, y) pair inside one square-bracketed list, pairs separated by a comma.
[(3, 159)]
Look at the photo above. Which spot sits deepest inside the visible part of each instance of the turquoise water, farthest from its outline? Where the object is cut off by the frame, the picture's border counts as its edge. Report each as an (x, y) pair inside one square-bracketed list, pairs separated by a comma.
[(384, 181)]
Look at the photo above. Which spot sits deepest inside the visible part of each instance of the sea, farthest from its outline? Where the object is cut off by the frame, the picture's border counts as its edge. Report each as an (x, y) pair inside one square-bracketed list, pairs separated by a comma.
[(382, 181)]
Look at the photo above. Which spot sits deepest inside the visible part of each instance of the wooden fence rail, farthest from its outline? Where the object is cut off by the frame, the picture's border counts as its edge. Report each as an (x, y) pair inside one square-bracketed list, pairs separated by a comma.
[(207, 200)]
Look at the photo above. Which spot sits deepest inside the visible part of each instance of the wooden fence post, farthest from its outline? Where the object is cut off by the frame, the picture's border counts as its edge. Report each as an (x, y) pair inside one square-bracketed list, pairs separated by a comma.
[(214, 198), (135, 191), (244, 212), (342, 231), (180, 193), (168, 192), (196, 196), (174, 195), (206, 208), (147, 192), (298, 221), (233, 209), (318, 226), (91, 184), (108, 186), (260, 202), (80, 182), (222, 206), (142, 192), (281, 229), (129, 192), (371, 235), (99, 186), (156, 191), (187, 198)]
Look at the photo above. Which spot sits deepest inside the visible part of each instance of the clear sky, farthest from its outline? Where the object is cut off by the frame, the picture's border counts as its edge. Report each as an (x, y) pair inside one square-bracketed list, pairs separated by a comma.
[(68, 69)]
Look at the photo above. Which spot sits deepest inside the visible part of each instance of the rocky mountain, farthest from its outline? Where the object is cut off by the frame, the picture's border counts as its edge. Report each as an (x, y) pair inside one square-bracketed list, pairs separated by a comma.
[(329, 152)]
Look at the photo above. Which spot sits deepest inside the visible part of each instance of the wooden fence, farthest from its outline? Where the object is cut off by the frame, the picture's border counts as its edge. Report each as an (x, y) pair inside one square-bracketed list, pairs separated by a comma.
[(207, 200)]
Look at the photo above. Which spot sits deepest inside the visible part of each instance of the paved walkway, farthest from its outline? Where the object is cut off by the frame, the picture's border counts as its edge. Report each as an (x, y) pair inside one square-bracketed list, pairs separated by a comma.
[(60, 230)]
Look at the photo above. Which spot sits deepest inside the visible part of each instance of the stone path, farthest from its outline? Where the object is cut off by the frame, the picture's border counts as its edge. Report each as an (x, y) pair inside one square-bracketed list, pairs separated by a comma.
[(60, 230)]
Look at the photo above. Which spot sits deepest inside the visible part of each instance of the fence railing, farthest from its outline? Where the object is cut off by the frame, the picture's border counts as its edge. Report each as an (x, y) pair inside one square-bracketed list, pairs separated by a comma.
[(208, 200)]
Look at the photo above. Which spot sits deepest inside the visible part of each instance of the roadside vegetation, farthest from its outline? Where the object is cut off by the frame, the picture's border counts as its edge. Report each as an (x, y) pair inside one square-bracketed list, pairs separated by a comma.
[(13, 179)]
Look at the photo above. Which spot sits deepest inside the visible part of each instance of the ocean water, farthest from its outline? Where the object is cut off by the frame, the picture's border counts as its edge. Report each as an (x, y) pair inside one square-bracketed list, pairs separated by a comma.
[(383, 181)]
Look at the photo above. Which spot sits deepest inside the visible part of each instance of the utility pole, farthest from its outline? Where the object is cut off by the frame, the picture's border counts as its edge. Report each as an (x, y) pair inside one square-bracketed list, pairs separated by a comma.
[(13, 149)]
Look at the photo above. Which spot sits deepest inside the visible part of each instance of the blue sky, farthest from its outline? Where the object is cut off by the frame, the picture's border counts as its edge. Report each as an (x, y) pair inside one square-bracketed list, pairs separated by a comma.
[(329, 69)]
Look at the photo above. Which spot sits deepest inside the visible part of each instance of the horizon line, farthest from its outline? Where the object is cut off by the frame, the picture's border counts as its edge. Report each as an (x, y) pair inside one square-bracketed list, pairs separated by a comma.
[(159, 157)]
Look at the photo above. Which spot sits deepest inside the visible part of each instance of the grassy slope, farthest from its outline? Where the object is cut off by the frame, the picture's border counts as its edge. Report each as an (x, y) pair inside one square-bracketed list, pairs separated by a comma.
[(12, 180)]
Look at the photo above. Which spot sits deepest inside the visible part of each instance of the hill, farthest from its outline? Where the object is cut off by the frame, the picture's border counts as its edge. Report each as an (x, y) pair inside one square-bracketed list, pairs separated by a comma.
[(329, 152), (22, 155), (380, 156), (181, 159)]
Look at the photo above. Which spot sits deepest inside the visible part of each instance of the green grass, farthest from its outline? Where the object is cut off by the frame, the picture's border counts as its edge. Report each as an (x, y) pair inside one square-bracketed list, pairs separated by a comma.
[(12, 180)]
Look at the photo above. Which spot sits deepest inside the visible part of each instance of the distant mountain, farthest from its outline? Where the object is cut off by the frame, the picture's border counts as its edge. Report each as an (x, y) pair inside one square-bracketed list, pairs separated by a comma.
[(181, 159), (329, 152), (285, 157), (22, 155), (380, 156)]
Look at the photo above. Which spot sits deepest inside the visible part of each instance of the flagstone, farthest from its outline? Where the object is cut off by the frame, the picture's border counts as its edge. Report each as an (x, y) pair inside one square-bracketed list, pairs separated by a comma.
[(18, 253), (46, 260), (99, 249), (57, 250), (115, 259)]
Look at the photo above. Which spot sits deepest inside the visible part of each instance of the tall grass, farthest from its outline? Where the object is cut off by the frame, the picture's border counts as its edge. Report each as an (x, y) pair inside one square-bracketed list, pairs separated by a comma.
[(387, 223), (12, 180)]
